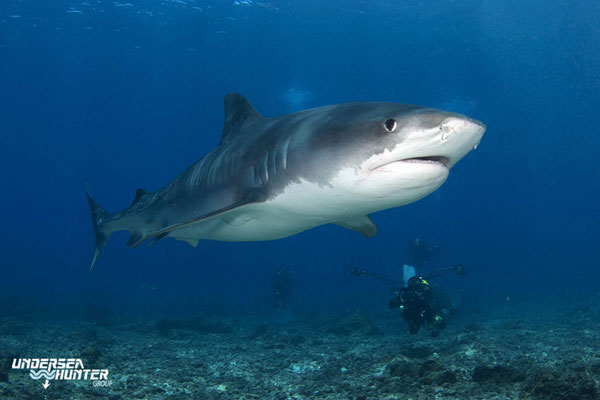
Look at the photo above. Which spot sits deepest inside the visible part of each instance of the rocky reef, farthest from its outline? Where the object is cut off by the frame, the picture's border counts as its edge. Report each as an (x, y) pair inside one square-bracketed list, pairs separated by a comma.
[(550, 355)]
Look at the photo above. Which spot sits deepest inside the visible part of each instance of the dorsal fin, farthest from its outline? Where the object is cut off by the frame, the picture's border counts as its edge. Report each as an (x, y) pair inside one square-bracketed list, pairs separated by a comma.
[(138, 195), (238, 111)]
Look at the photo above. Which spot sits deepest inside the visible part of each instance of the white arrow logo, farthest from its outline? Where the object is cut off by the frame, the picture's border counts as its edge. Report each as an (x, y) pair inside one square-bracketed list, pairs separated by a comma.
[(42, 373)]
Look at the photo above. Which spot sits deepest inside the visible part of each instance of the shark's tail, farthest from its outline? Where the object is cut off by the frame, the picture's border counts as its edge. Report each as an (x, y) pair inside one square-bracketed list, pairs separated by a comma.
[(98, 218)]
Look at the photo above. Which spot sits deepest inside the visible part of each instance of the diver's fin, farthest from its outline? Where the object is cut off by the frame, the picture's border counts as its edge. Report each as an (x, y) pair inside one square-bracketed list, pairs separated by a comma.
[(138, 195), (98, 218), (251, 197), (359, 223), (238, 111)]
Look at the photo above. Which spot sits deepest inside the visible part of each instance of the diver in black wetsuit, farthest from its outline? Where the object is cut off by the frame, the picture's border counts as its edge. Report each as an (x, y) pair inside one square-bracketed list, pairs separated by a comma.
[(419, 303), (419, 306), (417, 300)]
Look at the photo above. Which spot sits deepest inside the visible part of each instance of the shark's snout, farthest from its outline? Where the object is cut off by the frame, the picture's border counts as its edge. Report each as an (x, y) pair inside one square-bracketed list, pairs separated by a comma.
[(457, 136), (461, 126)]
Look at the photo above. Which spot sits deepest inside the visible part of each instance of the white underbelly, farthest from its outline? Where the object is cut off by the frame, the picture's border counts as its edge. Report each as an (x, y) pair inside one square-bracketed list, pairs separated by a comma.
[(249, 223), (301, 206)]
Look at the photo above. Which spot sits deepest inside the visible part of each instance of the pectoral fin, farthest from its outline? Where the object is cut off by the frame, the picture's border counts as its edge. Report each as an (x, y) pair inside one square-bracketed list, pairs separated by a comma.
[(251, 197), (359, 223)]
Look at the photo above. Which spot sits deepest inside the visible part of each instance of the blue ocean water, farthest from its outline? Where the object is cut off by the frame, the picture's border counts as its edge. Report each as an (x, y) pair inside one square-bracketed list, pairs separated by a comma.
[(127, 95)]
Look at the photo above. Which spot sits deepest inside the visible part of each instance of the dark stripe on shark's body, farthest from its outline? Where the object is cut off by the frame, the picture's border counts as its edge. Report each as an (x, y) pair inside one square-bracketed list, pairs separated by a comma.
[(274, 177)]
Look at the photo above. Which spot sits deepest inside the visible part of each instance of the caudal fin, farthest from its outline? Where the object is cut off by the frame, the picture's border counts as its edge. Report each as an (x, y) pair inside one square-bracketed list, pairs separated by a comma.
[(98, 218)]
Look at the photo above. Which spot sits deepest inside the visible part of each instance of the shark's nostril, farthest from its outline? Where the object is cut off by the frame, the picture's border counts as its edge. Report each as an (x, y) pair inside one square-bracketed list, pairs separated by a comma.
[(445, 129), (480, 125)]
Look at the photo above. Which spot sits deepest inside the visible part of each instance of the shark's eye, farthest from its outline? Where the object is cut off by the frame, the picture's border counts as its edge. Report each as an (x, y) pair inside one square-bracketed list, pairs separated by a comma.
[(390, 125)]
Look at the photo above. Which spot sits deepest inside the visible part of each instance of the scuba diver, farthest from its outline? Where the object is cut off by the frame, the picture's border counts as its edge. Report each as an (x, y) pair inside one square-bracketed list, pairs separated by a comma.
[(418, 302), (282, 283), (419, 306), (420, 252)]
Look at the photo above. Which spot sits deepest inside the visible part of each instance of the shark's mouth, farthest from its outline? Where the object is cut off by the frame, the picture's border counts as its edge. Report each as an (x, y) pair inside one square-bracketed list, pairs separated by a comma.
[(428, 160)]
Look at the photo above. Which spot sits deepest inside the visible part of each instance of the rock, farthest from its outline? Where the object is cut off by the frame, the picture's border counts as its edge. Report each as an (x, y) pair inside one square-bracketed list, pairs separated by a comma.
[(434, 372), (4, 368), (431, 366), (90, 356), (296, 340), (447, 377), (417, 351), (401, 367), (563, 386), (357, 323), (259, 331), (497, 374)]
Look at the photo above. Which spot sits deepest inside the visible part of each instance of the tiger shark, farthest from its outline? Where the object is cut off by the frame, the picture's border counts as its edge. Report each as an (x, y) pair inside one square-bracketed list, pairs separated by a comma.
[(270, 178)]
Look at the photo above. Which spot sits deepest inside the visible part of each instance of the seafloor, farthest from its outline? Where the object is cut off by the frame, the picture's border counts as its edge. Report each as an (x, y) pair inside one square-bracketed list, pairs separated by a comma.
[(552, 353)]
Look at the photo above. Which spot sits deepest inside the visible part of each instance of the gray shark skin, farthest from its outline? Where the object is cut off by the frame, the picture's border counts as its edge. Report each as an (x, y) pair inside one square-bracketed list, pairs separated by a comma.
[(270, 178)]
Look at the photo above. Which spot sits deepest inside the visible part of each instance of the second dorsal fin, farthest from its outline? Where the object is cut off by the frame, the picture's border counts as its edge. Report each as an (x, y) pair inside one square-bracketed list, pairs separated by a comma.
[(138, 195), (238, 111)]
